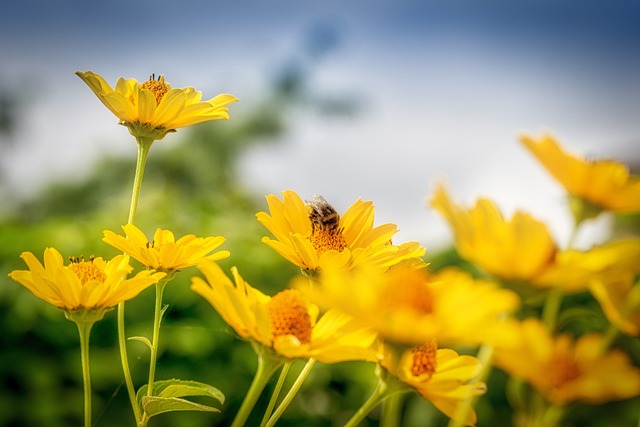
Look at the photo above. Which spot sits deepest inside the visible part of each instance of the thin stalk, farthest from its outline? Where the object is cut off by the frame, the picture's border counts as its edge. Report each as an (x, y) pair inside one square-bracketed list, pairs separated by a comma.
[(84, 329), (143, 150), (381, 392), (157, 319), (391, 411), (267, 366), (292, 392), (276, 393)]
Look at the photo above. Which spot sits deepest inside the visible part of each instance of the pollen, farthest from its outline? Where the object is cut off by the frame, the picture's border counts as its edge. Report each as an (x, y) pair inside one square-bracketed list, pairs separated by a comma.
[(324, 240), (86, 271), (157, 87), (424, 359), (289, 315)]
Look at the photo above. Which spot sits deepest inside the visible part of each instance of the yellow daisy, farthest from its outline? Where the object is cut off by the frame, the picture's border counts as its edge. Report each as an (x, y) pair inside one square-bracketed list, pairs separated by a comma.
[(164, 253), (603, 183), (440, 376), (406, 305), (620, 302), (92, 284), (516, 249), (307, 234), (567, 370), (153, 108), (286, 323)]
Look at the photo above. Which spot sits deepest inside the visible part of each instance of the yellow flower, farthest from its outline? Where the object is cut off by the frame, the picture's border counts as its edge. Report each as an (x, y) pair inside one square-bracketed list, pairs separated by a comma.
[(620, 301), (307, 234), (406, 305), (603, 183), (574, 270), (440, 376), (515, 249), (522, 249), (164, 253), (565, 370), (92, 284), (286, 323), (153, 108)]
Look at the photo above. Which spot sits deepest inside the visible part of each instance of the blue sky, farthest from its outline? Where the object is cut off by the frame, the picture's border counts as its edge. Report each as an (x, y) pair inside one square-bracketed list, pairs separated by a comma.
[(447, 86)]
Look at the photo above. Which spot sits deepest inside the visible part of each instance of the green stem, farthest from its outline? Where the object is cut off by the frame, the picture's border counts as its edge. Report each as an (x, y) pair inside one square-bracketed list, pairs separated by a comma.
[(84, 329), (551, 308), (267, 366), (144, 144), (391, 411), (276, 393), (122, 344), (292, 392), (157, 319), (387, 386)]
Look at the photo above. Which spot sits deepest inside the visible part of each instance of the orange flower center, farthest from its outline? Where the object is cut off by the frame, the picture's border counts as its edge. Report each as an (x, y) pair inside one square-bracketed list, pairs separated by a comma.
[(157, 87), (561, 370), (424, 358), (86, 271), (289, 315), (408, 292), (324, 240)]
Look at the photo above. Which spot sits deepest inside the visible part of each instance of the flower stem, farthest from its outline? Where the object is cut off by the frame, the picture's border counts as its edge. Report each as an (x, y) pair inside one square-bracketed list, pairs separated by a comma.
[(84, 329), (157, 319), (276, 393), (292, 392), (267, 366), (387, 386), (391, 411), (122, 344), (143, 150)]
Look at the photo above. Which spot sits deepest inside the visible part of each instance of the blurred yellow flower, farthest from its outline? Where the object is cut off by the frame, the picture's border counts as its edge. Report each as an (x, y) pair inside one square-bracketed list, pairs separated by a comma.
[(574, 270), (307, 234), (93, 284), (515, 249), (285, 322), (565, 370), (522, 249), (603, 183), (440, 376), (153, 108), (620, 302), (406, 305), (164, 253)]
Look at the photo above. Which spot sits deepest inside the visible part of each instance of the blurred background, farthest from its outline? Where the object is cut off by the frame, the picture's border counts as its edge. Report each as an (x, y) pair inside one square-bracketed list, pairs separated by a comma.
[(368, 99)]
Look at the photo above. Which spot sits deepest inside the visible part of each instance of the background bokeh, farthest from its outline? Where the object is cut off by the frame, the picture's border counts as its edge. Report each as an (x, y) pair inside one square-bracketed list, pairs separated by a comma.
[(368, 99)]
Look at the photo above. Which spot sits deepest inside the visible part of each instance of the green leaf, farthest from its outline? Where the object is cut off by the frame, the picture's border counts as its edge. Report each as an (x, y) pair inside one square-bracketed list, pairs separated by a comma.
[(168, 396), (144, 340)]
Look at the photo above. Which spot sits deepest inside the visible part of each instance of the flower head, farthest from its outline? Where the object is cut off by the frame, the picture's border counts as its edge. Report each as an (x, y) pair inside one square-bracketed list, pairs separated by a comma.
[(603, 183), (515, 249), (83, 284), (286, 323), (620, 301), (440, 376), (566, 370), (307, 234), (153, 108), (164, 253), (406, 305)]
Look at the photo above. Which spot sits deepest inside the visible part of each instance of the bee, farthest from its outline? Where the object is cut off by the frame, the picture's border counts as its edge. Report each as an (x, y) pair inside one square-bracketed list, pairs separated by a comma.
[(322, 215)]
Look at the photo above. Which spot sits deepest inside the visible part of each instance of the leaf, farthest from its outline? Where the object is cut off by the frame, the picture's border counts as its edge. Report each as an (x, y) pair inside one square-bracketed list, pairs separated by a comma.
[(144, 340), (168, 396)]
